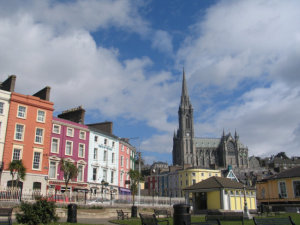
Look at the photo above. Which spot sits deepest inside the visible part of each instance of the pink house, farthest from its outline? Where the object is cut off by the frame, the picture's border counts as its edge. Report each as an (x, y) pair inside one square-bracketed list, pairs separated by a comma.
[(69, 141)]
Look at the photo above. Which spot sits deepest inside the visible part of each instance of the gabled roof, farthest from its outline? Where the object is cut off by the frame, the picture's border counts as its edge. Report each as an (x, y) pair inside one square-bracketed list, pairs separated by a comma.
[(293, 172), (217, 182)]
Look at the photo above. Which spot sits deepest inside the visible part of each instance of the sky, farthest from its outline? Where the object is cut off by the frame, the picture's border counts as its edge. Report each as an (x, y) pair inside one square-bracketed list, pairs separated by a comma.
[(122, 60)]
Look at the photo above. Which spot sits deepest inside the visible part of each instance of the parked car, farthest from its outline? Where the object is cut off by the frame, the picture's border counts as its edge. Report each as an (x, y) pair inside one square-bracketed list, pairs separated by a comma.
[(98, 201)]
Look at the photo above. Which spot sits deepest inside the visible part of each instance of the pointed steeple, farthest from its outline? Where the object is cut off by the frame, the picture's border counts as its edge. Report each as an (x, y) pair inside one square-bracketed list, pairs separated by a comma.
[(185, 100)]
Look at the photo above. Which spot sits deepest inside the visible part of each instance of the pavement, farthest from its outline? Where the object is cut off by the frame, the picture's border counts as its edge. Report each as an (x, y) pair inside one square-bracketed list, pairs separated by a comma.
[(103, 221)]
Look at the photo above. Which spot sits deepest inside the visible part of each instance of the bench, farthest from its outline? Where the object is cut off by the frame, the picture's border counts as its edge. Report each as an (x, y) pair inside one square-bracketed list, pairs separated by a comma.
[(162, 212), (6, 212), (147, 219), (122, 215), (273, 221), (210, 222), (218, 215)]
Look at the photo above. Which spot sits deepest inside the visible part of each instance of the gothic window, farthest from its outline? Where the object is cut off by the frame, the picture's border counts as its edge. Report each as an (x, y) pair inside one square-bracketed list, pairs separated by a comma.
[(188, 126), (230, 148)]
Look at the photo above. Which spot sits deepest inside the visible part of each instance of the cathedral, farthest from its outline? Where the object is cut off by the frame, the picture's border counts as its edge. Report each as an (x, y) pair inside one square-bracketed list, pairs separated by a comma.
[(204, 152)]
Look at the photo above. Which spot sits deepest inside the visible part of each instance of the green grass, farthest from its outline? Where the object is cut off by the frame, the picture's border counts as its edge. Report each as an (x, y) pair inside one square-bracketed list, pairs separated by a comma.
[(295, 217)]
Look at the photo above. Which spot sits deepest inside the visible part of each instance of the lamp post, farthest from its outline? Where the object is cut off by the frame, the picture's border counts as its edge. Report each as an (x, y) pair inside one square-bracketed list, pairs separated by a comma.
[(111, 194), (245, 212)]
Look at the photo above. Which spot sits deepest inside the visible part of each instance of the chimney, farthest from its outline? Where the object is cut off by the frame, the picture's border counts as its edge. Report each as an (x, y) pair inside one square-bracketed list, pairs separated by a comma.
[(9, 83), (105, 126), (43, 94), (76, 115)]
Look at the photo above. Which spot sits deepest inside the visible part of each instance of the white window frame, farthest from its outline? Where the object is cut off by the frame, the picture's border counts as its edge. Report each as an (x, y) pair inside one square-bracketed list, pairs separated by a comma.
[(104, 171), (58, 142), (82, 176), (55, 172), (23, 132), (104, 155), (20, 153), (82, 135), (95, 156), (127, 163), (25, 113), (105, 141), (41, 137), (40, 159), (2, 108), (96, 175), (53, 129), (83, 152), (68, 141), (294, 189), (127, 151), (112, 174), (280, 191), (72, 132), (112, 157), (38, 118)]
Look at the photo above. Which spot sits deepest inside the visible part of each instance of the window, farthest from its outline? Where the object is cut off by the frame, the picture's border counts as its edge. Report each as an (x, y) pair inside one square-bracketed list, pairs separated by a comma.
[(82, 135), (121, 178), (19, 132), (17, 154), (37, 186), (56, 129), (127, 150), (95, 153), (69, 147), (194, 181), (127, 163), (80, 173), (113, 144), (112, 177), (70, 132), (122, 161), (282, 190), (54, 145), (81, 150), (105, 156), (296, 185), (122, 148), (41, 116), (39, 135), (1, 107), (186, 182), (104, 175), (95, 170), (112, 157), (96, 138), (193, 174), (36, 160), (52, 170), (202, 174), (105, 141), (21, 111)]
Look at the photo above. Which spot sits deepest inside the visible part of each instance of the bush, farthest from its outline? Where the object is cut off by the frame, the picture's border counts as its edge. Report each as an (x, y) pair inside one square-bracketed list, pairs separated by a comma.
[(40, 212)]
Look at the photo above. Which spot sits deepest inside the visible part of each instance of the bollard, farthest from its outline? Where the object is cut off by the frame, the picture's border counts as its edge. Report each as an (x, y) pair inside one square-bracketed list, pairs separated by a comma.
[(181, 215), (133, 211), (72, 213)]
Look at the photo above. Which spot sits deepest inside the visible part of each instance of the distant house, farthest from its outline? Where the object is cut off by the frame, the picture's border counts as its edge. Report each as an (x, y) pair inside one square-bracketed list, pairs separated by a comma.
[(221, 193), (281, 188)]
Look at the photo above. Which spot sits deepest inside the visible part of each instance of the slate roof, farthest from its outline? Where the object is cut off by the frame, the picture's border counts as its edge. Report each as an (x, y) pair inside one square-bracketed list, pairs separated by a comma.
[(290, 173), (217, 182), (211, 142)]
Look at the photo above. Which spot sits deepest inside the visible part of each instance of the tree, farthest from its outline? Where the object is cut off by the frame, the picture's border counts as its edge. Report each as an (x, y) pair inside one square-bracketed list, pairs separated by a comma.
[(135, 177), (69, 169), (16, 167)]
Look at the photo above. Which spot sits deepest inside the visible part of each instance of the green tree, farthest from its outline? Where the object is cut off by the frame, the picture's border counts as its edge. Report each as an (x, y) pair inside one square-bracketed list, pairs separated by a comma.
[(16, 167), (135, 178), (69, 169)]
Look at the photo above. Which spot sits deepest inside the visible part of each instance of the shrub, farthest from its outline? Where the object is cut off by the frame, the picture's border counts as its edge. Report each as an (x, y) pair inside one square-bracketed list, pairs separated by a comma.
[(40, 212)]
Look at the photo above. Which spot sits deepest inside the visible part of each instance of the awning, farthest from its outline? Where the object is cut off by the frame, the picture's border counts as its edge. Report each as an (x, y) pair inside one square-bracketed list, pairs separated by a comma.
[(124, 190)]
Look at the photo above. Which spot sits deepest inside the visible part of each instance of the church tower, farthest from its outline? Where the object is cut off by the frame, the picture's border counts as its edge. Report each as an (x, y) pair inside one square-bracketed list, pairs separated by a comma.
[(183, 147)]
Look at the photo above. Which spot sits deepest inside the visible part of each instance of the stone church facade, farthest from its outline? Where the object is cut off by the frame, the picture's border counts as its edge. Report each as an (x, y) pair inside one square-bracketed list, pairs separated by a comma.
[(204, 152)]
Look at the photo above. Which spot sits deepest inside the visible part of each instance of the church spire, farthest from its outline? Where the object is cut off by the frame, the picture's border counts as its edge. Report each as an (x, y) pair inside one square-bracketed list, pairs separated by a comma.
[(185, 100)]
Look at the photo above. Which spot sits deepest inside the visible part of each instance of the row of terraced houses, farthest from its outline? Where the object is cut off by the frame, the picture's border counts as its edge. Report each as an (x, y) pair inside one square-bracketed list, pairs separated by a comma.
[(29, 131)]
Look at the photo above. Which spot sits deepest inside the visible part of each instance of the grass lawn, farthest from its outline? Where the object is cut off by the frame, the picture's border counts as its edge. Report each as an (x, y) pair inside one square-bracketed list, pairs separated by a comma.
[(295, 217)]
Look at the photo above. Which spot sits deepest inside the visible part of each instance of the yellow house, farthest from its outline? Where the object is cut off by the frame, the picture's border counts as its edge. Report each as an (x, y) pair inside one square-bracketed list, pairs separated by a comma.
[(221, 193), (280, 188), (190, 176)]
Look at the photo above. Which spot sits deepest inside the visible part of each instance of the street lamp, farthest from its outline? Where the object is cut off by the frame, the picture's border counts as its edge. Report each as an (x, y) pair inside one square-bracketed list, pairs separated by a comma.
[(111, 194), (245, 212), (103, 183)]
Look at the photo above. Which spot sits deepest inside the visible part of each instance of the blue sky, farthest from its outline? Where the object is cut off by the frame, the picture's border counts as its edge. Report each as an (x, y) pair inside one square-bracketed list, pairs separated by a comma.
[(122, 61)]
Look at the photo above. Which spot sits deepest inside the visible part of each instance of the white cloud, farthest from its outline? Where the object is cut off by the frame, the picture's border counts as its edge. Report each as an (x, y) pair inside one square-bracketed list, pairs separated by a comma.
[(158, 143), (243, 39), (162, 41)]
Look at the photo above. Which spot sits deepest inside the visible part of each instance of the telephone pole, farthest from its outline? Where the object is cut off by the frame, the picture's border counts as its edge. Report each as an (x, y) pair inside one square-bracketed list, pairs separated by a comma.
[(139, 187)]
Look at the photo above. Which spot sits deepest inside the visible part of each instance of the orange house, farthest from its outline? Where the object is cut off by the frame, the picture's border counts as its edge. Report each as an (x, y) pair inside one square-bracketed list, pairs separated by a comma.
[(28, 138)]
